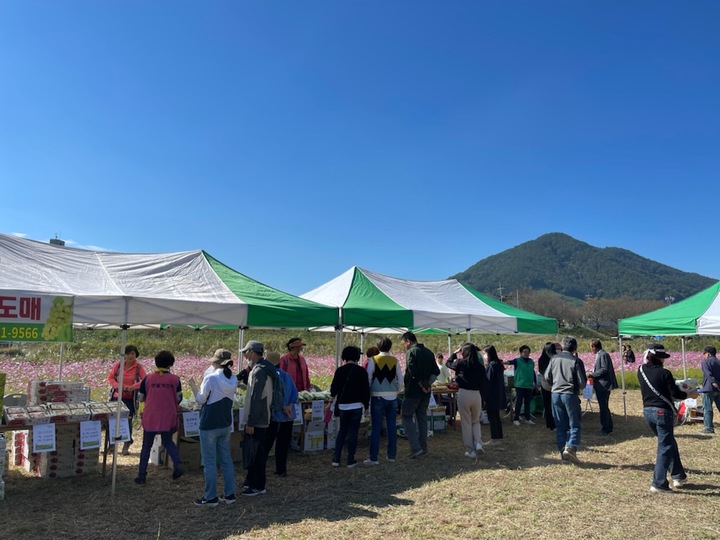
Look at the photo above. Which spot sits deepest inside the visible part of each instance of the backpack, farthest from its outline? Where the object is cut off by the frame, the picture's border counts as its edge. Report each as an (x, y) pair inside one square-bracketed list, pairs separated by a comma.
[(278, 395)]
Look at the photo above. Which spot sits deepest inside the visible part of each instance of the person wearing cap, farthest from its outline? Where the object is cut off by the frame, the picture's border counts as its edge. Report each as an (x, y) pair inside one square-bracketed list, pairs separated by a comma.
[(566, 376), (658, 389), (161, 391), (216, 395), (710, 366), (604, 380), (295, 365), (281, 423), (258, 402), (420, 370)]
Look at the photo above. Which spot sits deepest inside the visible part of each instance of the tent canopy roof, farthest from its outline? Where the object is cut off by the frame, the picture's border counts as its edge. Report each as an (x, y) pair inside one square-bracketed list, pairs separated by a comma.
[(370, 300), (699, 314), (182, 288)]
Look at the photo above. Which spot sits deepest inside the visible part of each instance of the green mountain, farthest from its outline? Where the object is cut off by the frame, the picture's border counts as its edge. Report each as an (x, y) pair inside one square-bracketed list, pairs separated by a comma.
[(559, 263)]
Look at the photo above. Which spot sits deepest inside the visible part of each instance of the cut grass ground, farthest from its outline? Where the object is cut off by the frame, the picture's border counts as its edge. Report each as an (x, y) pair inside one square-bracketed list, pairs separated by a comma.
[(520, 489)]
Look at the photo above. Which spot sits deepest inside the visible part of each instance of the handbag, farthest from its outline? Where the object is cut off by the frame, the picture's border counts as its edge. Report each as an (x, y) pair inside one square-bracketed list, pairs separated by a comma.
[(330, 411)]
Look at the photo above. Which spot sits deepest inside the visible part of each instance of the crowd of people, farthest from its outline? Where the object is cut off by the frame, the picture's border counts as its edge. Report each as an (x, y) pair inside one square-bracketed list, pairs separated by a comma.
[(383, 390)]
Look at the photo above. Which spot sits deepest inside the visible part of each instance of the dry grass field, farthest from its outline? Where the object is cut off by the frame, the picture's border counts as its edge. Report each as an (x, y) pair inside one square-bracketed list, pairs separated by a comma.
[(519, 489)]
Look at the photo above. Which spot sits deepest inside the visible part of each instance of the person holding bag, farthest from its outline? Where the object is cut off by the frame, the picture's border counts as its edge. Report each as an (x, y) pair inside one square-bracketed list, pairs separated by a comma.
[(216, 394), (658, 388), (351, 386)]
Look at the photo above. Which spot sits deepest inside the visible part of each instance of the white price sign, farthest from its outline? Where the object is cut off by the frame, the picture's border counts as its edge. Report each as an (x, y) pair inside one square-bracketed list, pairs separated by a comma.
[(90, 434)]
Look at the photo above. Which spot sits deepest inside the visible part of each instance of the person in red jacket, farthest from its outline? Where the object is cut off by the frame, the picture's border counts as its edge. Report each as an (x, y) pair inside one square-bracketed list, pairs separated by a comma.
[(294, 364), (133, 374)]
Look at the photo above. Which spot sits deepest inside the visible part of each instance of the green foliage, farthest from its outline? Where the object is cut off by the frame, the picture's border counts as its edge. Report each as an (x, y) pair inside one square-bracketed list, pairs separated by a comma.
[(559, 263)]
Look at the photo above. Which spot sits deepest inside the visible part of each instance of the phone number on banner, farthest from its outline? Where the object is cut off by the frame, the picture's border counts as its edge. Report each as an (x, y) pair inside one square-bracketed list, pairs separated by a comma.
[(18, 332)]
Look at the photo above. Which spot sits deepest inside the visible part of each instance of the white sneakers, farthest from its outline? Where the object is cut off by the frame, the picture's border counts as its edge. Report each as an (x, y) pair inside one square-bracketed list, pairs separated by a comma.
[(516, 422), (479, 447), (371, 462), (529, 422), (471, 455)]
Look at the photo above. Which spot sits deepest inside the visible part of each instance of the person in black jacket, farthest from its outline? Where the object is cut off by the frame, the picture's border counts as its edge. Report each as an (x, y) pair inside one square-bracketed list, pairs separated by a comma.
[(495, 397), (658, 388), (471, 378), (351, 387), (550, 350)]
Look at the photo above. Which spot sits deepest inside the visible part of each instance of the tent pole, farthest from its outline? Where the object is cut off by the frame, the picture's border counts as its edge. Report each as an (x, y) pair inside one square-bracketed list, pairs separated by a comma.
[(449, 345), (241, 344), (622, 377), (362, 342), (118, 409), (338, 344), (62, 354), (682, 341)]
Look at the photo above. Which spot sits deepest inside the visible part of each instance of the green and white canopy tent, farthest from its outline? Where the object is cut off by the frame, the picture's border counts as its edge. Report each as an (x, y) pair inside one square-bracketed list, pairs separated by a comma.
[(124, 290), (121, 290), (696, 315), (372, 302)]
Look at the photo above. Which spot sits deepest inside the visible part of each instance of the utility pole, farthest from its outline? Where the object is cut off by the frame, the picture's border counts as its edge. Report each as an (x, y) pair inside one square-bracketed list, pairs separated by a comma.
[(500, 290)]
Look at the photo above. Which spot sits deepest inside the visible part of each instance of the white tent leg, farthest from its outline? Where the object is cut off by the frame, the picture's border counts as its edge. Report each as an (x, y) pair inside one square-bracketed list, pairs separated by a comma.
[(338, 345), (622, 378), (62, 354), (118, 409), (682, 342), (449, 346)]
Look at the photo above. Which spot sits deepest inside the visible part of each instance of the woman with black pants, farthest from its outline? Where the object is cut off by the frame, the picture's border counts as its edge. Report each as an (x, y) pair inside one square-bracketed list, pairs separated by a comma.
[(496, 398), (550, 350)]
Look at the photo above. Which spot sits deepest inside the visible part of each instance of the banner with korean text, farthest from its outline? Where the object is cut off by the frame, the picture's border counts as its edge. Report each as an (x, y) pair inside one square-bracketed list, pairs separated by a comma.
[(35, 317)]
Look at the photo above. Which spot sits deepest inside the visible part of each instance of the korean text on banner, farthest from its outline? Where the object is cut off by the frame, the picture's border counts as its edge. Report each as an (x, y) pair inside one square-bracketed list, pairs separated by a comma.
[(35, 317)]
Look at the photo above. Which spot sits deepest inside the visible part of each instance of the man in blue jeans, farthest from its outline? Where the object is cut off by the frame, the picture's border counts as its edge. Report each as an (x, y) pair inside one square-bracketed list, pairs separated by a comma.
[(566, 376), (604, 381), (420, 368), (710, 387), (385, 375)]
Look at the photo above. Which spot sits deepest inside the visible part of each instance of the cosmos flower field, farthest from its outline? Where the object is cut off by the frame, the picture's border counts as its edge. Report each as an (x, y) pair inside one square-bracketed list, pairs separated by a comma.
[(94, 372)]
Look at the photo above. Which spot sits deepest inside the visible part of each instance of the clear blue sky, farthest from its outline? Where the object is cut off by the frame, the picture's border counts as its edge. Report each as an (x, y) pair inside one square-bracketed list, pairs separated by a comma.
[(295, 139)]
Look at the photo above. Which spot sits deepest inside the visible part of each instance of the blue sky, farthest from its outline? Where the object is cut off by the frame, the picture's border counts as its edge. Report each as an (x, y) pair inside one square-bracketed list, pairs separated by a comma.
[(293, 140)]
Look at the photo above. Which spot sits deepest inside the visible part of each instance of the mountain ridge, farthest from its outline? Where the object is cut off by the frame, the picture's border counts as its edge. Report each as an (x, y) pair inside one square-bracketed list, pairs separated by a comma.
[(576, 269)]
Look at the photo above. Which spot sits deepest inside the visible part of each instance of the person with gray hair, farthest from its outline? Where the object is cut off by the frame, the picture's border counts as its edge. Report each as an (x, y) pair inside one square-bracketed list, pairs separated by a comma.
[(566, 376), (604, 381)]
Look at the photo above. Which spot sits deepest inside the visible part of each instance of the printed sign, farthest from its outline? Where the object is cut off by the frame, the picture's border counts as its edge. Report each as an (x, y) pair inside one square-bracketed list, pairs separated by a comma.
[(35, 317), (318, 409), (124, 429), (298, 415), (90, 434), (191, 423), (44, 438)]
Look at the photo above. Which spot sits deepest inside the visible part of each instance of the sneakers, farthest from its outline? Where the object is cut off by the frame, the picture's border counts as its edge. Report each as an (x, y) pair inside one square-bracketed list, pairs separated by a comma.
[(471, 455), (126, 449), (529, 422), (334, 464), (212, 503), (707, 431), (251, 492), (140, 480), (516, 422), (352, 465), (177, 473), (228, 499), (417, 453), (570, 454), (664, 489), (371, 462), (479, 447), (391, 460), (679, 483)]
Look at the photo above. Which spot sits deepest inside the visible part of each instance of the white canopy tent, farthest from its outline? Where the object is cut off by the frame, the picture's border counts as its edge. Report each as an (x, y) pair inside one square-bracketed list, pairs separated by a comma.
[(123, 290)]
